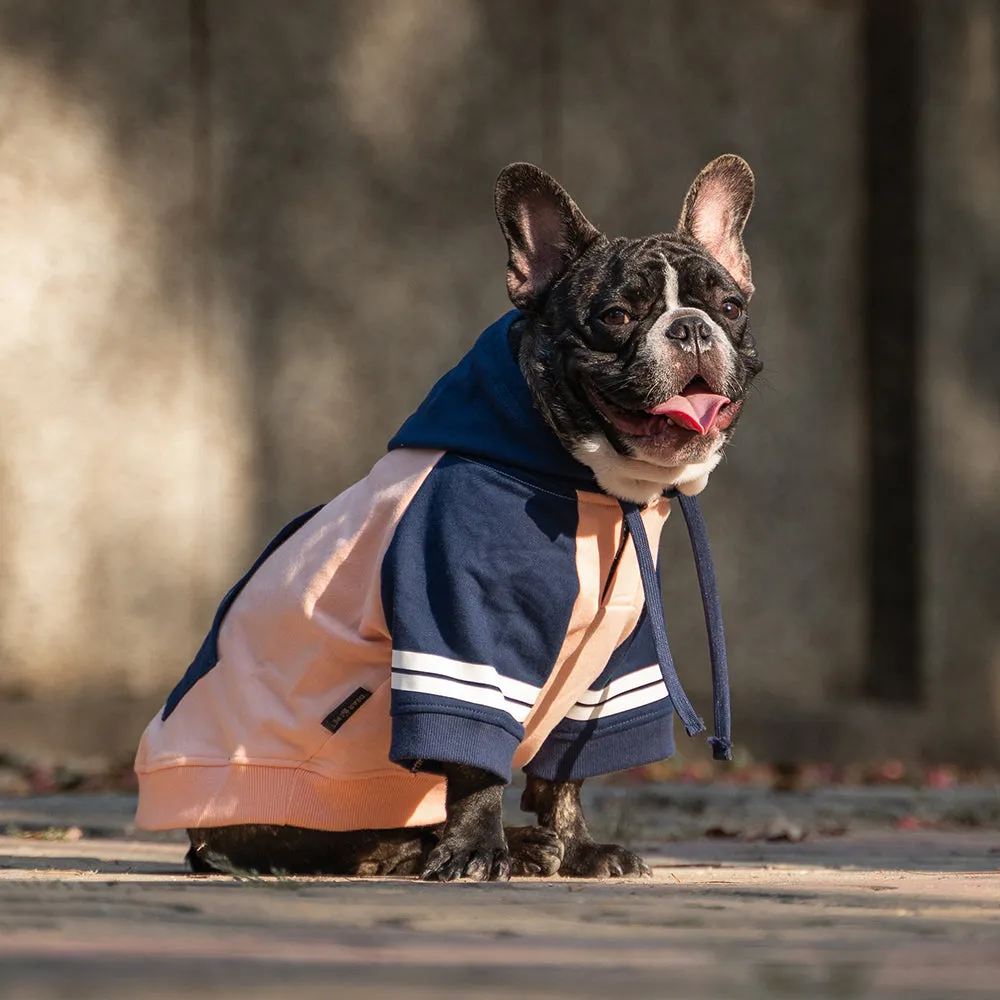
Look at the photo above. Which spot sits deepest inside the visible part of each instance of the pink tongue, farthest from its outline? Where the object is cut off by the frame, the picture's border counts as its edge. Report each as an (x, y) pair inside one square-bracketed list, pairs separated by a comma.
[(693, 409)]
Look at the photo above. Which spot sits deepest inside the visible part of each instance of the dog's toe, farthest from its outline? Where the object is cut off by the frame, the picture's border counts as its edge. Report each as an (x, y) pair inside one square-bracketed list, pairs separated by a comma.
[(534, 850), (443, 865), (478, 867), (501, 868)]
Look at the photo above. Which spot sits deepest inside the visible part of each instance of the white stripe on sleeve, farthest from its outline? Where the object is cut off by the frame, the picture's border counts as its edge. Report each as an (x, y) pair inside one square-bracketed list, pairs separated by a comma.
[(623, 703), (636, 679), (475, 683)]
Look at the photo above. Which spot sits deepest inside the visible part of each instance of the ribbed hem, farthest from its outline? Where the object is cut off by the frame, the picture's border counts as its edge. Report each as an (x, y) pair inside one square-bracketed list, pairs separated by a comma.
[(223, 795), (588, 754), (457, 739)]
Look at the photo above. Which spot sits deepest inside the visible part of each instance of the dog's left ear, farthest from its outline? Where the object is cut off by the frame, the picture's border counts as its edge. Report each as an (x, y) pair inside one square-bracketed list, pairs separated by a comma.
[(716, 210), (544, 229)]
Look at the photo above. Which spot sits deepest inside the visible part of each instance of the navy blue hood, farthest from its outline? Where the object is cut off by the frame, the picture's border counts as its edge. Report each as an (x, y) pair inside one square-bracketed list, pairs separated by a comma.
[(483, 408)]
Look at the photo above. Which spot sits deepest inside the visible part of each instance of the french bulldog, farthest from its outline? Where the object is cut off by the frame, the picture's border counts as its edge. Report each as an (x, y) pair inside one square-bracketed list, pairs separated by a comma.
[(638, 354)]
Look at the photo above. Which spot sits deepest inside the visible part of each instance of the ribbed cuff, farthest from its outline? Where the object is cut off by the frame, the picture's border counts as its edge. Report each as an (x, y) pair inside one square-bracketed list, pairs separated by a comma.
[(189, 795), (572, 758), (455, 739)]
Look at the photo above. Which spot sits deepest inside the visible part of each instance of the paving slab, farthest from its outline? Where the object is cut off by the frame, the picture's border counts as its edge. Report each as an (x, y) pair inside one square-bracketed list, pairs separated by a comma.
[(875, 913)]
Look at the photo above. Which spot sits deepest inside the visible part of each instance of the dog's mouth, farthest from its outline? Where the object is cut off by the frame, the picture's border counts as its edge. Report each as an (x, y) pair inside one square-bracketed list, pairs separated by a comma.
[(695, 411)]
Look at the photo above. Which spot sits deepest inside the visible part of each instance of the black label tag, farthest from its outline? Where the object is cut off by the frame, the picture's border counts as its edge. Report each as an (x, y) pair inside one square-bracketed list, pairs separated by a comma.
[(346, 709)]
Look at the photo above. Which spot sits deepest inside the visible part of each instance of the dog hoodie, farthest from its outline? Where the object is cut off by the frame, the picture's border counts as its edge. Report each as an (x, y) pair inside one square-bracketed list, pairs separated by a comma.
[(475, 599)]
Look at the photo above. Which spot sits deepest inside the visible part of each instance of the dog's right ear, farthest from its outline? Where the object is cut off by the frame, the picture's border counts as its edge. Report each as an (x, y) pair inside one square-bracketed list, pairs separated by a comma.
[(716, 210), (544, 229)]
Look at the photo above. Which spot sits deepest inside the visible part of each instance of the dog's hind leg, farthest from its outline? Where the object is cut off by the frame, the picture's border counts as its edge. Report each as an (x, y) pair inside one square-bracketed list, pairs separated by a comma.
[(262, 849)]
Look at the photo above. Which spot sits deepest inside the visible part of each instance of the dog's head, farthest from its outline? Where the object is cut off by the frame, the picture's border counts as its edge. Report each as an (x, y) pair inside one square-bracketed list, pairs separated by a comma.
[(638, 352)]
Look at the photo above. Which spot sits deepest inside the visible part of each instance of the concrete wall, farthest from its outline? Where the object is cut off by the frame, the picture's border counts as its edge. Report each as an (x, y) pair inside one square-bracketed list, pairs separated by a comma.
[(241, 239), (961, 418)]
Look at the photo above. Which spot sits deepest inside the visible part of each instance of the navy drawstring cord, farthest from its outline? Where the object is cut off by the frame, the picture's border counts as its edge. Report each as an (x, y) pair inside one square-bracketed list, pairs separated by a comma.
[(721, 742)]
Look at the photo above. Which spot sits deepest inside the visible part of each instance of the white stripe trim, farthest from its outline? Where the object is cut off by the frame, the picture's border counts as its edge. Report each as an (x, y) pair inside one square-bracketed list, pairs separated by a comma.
[(636, 679), (635, 699), (446, 688), (478, 673)]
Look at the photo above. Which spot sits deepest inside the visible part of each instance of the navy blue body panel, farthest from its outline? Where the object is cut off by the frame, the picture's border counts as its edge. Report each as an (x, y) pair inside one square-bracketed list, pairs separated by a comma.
[(478, 586)]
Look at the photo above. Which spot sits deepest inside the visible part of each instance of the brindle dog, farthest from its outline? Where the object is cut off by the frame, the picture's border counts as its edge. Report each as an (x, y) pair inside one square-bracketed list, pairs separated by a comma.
[(609, 327)]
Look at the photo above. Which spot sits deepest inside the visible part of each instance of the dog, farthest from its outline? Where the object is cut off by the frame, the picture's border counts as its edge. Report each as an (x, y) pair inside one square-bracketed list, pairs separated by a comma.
[(475, 603)]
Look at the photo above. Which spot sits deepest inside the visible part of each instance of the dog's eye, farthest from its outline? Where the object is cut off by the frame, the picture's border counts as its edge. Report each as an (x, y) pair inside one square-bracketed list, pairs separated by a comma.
[(732, 310), (615, 317)]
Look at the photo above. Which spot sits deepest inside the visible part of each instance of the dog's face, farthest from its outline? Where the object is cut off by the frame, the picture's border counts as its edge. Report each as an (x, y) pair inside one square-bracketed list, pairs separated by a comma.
[(638, 352)]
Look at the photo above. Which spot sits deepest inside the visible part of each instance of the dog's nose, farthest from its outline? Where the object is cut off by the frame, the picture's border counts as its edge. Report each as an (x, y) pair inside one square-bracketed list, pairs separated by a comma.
[(689, 329)]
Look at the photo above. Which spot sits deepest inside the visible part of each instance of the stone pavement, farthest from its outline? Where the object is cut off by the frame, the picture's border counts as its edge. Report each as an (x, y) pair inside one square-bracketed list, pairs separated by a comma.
[(899, 903)]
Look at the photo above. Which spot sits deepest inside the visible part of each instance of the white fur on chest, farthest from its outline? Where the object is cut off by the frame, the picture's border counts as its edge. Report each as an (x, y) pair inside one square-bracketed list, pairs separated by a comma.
[(638, 481)]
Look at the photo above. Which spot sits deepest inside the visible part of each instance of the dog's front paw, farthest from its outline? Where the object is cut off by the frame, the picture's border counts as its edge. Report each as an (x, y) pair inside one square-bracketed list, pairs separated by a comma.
[(602, 861), (534, 850), (483, 860)]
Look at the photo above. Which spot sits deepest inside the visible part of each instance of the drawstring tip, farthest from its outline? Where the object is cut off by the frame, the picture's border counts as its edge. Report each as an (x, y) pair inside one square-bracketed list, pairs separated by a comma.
[(722, 749), (696, 727)]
